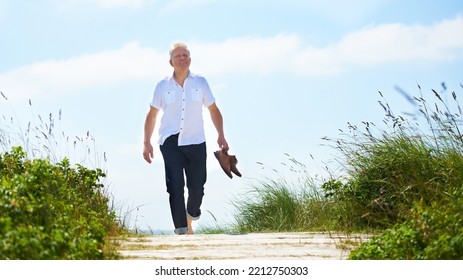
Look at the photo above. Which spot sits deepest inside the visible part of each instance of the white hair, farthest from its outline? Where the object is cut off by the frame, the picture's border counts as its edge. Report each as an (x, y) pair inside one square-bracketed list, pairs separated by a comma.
[(178, 45)]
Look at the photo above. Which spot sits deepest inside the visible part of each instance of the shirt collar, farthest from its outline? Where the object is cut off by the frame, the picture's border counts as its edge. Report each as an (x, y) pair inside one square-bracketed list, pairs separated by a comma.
[(190, 75)]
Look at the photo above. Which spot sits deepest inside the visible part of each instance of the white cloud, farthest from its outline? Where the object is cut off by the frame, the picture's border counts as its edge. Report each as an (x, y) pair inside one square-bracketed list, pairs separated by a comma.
[(161, 6), (173, 5), (107, 4), (373, 45), (124, 3), (3, 10), (397, 42), (249, 54), (106, 68), (345, 12), (387, 43), (164, 5)]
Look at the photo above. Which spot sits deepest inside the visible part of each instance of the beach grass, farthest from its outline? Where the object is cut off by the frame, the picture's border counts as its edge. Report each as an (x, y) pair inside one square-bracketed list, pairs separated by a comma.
[(402, 181)]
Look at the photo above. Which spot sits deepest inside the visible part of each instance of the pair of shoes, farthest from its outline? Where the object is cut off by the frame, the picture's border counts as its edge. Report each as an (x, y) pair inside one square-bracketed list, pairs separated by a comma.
[(227, 162)]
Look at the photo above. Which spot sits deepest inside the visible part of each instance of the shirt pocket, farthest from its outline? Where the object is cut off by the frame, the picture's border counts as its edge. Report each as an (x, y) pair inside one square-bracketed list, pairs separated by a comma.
[(169, 96), (197, 94)]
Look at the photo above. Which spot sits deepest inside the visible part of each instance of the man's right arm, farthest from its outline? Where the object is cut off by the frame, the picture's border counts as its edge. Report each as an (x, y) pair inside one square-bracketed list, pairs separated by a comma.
[(148, 151)]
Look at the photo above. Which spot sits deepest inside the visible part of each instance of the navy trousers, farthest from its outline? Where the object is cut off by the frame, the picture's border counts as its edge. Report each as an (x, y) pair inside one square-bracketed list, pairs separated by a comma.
[(182, 162)]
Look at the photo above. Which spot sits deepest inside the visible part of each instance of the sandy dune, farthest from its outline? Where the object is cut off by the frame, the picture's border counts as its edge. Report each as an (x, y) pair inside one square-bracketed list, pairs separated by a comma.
[(243, 246)]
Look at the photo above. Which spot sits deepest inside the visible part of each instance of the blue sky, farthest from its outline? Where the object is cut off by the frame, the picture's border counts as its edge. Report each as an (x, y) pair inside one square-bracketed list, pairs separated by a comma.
[(284, 73)]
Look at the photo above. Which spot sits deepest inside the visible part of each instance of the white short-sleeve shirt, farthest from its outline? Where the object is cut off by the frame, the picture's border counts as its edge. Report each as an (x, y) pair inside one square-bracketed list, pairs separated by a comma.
[(182, 108)]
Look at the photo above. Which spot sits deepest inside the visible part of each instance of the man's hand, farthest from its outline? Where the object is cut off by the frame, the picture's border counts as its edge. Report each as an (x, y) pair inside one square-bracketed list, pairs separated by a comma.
[(148, 152), (222, 143), (150, 121)]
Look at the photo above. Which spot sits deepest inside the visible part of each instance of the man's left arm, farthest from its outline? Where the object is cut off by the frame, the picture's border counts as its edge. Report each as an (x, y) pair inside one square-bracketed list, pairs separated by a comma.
[(217, 120)]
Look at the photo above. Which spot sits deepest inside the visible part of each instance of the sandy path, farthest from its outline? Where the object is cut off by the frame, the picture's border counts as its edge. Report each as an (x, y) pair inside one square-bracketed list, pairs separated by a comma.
[(244, 246)]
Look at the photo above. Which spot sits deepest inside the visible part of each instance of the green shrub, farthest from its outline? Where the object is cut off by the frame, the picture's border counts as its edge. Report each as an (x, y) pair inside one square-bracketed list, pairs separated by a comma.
[(432, 233), (52, 211), (388, 176)]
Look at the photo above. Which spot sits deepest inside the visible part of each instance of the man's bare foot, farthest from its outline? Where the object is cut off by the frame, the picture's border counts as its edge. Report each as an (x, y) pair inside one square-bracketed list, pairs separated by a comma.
[(190, 227)]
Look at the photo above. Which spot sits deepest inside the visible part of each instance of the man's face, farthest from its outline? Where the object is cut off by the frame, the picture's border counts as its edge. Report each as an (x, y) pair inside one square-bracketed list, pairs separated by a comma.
[(180, 59)]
